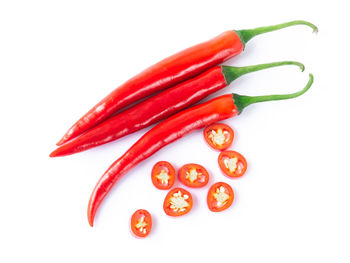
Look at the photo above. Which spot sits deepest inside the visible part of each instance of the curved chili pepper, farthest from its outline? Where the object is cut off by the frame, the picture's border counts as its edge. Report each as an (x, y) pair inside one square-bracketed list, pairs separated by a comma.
[(161, 106), (174, 128), (171, 71)]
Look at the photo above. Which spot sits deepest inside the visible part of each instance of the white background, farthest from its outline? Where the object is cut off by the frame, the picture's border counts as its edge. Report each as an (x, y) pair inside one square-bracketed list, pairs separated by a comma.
[(58, 58)]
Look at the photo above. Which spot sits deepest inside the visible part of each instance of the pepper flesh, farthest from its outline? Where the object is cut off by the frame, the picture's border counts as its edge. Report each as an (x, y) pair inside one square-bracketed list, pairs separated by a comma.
[(170, 130), (161, 106), (170, 71), (159, 136), (162, 75)]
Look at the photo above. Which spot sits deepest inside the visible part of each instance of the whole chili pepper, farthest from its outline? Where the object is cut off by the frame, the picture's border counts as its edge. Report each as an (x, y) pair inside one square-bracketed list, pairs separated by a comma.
[(161, 106), (171, 71), (174, 128)]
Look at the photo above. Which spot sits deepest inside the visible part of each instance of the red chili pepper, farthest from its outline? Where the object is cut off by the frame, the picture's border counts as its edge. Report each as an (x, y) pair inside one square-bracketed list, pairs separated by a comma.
[(161, 106), (174, 128), (170, 71)]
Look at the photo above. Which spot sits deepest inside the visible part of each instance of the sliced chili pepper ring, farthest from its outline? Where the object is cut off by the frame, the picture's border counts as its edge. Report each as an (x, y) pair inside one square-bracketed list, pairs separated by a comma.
[(163, 175), (177, 202), (232, 163), (219, 136), (193, 175), (220, 197), (141, 223)]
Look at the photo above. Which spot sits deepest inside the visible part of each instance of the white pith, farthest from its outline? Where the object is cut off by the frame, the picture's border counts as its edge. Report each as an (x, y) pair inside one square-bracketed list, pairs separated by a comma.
[(178, 202)]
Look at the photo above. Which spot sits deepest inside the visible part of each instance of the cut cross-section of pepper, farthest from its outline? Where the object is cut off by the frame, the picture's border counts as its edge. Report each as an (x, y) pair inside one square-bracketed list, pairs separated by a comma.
[(193, 175), (141, 223), (163, 175), (232, 163), (219, 136), (177, 202), (220, 197)]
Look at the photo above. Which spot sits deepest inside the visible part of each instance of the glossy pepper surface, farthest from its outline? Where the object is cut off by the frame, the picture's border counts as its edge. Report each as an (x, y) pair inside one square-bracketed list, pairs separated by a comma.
[(170, 71), (161, 106), (170, 130)]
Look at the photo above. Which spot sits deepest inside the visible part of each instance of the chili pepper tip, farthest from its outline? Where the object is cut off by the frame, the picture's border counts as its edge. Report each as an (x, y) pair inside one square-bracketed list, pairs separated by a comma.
[(57, 153), (60, 142), (91, 216)]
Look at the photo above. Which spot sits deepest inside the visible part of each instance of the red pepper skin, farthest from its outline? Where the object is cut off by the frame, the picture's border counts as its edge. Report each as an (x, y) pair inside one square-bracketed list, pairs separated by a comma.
[(170, 71), (166, 73), (166, 132), (172, 129), (147, 112), (161, 106)]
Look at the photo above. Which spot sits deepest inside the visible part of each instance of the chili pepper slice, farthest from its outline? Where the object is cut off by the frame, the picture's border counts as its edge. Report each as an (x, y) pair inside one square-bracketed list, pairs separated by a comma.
[(177, 202), (193, 175), (232, 163), (161, 106), (141, 223), (220, 197), (163, 175), (219, 136), (170, 71), (172, 129)]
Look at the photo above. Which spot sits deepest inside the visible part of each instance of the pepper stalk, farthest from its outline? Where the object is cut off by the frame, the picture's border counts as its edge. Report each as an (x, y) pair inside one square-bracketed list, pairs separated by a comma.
[(247, 34), (242, 101)]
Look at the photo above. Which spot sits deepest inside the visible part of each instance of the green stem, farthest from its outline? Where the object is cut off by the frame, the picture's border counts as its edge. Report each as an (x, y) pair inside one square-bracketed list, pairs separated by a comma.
[(232, 73), (247, 34), (243, 101)]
